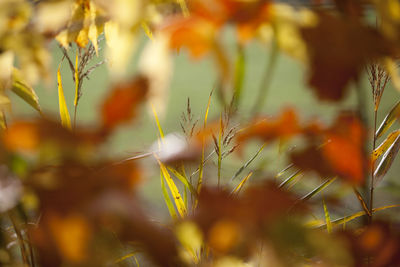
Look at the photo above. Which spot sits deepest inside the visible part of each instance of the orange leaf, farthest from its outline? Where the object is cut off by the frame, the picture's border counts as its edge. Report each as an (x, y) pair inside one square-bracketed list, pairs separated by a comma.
[(121, 105), (22, 136)]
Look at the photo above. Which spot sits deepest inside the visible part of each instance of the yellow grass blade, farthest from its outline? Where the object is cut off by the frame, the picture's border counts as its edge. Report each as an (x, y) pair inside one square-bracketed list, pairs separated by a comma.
[(157, 121), (167, 199), (64, 114), (180, 205), (183, 179), (327, 218), (356, 215), (385, 145), (241, 184)]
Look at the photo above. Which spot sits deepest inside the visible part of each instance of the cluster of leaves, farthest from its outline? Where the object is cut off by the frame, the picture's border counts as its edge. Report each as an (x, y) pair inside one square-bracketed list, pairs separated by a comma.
[(65, 202)]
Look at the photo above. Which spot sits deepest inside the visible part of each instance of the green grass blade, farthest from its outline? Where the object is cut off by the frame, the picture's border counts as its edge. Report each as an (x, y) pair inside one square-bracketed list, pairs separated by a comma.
[(318, 189), (242, 168)]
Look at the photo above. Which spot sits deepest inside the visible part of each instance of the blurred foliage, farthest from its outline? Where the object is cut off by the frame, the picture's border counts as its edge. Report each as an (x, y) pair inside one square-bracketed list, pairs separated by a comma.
[(66, 201)]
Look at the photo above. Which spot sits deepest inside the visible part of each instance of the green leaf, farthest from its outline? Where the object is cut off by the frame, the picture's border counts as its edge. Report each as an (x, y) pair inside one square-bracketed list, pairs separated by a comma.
[(388, 121), (387, 161), (64, 114), (23, 90)]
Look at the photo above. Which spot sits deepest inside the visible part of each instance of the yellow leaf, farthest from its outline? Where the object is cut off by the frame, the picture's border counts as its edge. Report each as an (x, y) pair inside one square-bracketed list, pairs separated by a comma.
[(23, 90), (64, 114)]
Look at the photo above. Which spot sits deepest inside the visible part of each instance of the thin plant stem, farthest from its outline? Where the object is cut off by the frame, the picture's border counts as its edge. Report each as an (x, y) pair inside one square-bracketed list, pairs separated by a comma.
[(267, 78), (371, 192), (20, 238)]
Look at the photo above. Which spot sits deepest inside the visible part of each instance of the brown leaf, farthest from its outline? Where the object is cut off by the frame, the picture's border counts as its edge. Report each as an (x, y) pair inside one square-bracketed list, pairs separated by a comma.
[(240, 218), (338, 48)]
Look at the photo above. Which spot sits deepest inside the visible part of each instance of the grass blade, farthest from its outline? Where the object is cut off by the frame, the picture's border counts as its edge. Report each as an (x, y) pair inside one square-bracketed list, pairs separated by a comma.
[(180, 205), (241, 184), (157, 121), (387, 161), (356, 215), (64, 114), (167, 199), (284, 170), (318, 189), (242, 168), (327, 218), (290, 178), (385, 145), (390, 118), (362, 202), (130, 255), (184, 180)]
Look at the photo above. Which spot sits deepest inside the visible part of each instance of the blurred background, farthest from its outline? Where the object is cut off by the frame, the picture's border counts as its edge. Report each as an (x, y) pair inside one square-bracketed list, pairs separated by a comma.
[(194, 80)]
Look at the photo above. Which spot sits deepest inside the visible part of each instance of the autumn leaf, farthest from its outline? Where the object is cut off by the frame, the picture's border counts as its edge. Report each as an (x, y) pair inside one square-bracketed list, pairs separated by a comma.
[(195, 33), (284, 126), (337, 58), (21, 136), (121, 105)]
